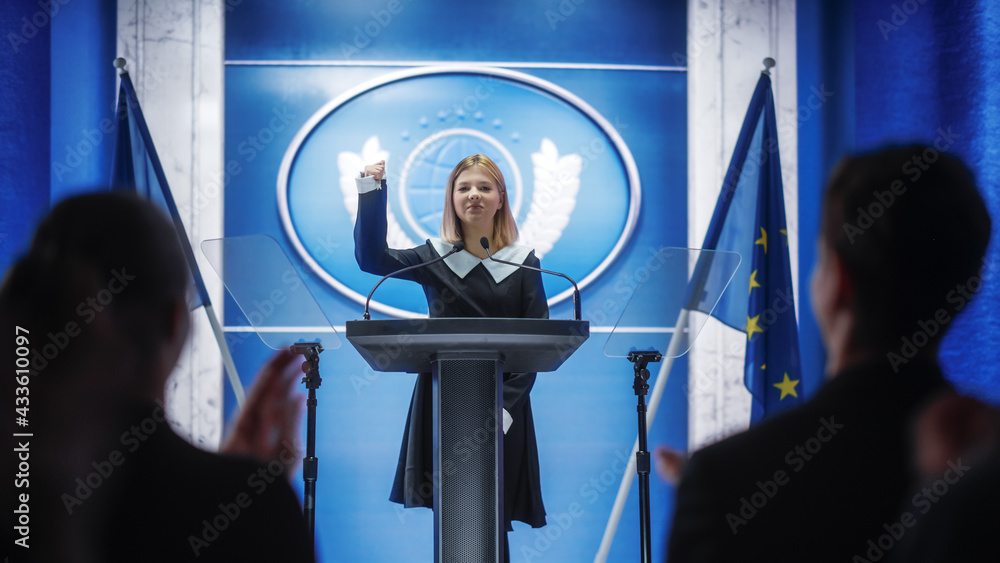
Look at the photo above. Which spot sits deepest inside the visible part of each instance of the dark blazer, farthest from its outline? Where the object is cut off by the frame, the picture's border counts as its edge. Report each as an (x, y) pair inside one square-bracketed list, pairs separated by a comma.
[(149, 495), (816, 483), (957, 518)]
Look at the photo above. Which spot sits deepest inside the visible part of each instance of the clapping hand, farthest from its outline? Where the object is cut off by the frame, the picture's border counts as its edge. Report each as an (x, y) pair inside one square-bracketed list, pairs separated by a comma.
[(269, 421), (669, 464)]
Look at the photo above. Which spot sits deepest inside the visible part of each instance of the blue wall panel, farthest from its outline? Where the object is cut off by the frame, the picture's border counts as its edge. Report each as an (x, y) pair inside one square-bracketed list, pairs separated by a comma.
[(573, 31), (927, 72), (57, 85), (84, 92), (824, 51), (24, 128)]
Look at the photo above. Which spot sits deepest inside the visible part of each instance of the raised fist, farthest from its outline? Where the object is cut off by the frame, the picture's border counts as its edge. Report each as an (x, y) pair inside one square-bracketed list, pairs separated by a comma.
[(377, 170)]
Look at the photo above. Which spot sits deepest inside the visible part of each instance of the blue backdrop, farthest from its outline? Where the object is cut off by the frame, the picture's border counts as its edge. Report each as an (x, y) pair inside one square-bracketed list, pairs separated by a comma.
[(927, 71), (931, 67), (306, 86)]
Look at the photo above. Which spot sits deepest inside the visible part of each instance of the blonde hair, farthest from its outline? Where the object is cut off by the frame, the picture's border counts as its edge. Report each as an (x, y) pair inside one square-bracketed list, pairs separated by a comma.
[(504, 227)]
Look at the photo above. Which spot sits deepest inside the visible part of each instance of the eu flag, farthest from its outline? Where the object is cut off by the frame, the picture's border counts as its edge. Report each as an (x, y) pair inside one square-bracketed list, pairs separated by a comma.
[(136, 167), (749, 218)]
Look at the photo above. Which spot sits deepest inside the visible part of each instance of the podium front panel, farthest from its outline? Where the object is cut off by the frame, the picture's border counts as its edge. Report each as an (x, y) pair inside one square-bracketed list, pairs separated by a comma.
[(468, 461)]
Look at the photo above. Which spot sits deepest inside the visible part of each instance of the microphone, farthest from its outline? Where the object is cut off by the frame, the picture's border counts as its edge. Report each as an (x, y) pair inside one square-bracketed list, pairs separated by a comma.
[(459, 246), (576, 290)]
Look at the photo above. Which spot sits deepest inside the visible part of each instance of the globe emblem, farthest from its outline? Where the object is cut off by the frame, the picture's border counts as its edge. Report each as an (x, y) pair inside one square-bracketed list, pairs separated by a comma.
[(572, 184), (424, 177)]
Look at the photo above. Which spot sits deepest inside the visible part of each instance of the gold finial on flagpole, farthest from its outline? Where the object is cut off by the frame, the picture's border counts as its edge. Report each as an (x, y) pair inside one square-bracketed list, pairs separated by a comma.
[(120, 65), (768, 65)]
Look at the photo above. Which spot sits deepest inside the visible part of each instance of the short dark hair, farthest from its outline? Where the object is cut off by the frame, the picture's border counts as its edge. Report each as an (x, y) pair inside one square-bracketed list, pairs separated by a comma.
[(909, 226), (112, 256)]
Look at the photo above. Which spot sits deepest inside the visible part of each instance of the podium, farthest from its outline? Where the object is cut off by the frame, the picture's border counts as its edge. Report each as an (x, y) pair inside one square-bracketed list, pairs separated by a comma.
[(467, 358)]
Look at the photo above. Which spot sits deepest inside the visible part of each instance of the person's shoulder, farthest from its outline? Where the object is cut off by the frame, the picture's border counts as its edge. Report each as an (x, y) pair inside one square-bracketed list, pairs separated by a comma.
[(766, 442), (214, 470), (173, 488)]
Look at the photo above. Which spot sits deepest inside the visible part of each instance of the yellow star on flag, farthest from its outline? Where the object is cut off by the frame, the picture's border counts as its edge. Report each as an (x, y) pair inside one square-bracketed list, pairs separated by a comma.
[(752, 327), (787, 387), (762, 239), (753, 281)]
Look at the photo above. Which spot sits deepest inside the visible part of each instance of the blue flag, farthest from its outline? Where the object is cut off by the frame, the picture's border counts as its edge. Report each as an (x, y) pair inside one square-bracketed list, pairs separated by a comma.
[(136, 167), (749, 218)]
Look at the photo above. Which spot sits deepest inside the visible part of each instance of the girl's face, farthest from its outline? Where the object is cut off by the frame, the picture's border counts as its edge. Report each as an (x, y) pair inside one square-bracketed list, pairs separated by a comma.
[(476, 197)]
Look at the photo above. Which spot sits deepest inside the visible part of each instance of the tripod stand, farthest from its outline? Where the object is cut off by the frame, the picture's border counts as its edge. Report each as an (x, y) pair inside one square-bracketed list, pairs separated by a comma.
[(310, 464), (642, 465)]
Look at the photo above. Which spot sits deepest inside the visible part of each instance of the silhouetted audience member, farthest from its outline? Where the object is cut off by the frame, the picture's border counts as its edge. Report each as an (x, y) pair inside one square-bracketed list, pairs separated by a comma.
[(903, 235), (101, 301), (952, 515)]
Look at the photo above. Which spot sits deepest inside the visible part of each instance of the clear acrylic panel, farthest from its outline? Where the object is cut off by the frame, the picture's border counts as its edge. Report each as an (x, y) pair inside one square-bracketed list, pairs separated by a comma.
[(675, 292), (269, 291)]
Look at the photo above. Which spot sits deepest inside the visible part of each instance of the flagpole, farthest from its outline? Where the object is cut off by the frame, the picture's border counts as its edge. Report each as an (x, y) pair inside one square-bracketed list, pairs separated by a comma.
[(227, 357), (654, 402), (758, 104)]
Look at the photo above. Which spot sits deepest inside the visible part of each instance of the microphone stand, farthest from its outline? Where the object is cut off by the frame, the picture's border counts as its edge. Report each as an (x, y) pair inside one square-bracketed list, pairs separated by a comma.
[(576, 290), (310, 464), (459, 246), (642, 462)]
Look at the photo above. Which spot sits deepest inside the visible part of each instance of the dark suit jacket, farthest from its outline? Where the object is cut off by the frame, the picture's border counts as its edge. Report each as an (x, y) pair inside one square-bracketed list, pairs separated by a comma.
[(813, 484), (148, 495), (955, 515)]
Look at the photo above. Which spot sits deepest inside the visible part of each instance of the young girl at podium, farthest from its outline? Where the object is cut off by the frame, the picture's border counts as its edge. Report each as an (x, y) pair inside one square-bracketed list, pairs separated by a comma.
[(466, 284)]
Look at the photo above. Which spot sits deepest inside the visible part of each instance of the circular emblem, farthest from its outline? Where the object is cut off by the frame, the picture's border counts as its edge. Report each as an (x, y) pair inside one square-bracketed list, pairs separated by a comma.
[(572, 183)]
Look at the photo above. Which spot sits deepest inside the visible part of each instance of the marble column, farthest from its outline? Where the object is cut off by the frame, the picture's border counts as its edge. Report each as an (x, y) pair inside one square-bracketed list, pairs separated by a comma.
[(174, 53), (726, 42)]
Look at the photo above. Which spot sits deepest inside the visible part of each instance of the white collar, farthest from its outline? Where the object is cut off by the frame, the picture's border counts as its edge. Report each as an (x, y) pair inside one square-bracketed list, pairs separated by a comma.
[(461, 263)]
